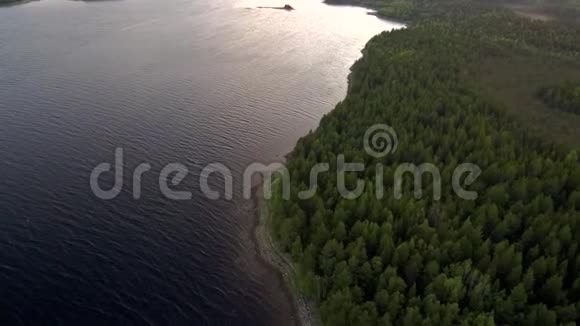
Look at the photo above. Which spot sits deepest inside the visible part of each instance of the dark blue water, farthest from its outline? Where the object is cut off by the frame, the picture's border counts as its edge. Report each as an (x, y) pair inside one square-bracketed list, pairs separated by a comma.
[(192, 82)]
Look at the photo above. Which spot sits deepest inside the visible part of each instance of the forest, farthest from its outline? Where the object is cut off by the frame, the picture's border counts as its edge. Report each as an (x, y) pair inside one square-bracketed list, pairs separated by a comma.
[(410, 10), (509, 257), (564, 97)]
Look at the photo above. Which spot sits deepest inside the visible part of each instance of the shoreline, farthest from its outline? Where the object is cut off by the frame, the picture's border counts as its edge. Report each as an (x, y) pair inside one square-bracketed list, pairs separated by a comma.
[(12, 3), (304, 308)]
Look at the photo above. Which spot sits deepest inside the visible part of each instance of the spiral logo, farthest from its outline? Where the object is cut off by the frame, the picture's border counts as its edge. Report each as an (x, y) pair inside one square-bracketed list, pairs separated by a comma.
[(380, 140)]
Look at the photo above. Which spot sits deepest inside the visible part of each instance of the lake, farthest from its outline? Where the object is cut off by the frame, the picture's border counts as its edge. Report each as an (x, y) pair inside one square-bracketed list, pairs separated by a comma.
[(192, 82)]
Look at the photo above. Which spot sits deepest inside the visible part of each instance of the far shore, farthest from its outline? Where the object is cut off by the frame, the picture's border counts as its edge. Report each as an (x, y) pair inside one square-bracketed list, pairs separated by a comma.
[(9, 3)]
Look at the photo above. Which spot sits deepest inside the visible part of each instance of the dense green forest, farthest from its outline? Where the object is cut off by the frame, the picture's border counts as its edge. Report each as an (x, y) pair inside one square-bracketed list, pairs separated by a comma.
[(406, 9), (509, 257), (564, 97), (410, 10)]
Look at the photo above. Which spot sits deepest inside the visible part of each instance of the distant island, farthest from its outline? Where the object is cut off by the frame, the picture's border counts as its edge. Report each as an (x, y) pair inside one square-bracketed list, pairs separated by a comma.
[(286, 7)]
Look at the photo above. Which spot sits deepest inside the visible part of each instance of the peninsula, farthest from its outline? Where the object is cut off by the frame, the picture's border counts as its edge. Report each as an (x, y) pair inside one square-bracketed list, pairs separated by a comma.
[(460, 84)]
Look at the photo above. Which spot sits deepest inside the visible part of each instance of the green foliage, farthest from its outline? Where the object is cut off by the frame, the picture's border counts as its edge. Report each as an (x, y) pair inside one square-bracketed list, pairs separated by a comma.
[(411, 10), (402, 9), (508, 258), (565, 97)]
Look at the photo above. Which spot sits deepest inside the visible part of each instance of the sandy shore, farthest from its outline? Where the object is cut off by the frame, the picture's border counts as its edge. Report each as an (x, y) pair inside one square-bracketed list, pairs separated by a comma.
[(304, 308)]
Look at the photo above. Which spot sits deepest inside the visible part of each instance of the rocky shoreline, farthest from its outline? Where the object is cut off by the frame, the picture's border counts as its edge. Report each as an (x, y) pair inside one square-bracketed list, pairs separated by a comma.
[(281, 262)]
